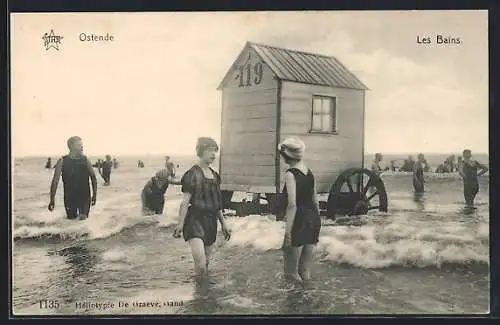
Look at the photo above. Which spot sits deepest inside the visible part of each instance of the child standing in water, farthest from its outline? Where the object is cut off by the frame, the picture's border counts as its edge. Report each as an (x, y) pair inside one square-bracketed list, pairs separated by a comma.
[(201, 207), (303, 223)]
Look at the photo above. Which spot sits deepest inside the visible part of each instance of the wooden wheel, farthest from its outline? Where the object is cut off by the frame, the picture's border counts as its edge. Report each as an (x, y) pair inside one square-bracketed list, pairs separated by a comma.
[(355, 192)]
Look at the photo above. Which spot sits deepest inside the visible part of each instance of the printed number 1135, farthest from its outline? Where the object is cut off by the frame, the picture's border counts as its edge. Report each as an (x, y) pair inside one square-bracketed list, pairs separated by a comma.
[(49, 304)]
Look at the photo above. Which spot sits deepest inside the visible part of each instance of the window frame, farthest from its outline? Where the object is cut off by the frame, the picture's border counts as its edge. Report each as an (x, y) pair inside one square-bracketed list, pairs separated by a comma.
[(333, 114)]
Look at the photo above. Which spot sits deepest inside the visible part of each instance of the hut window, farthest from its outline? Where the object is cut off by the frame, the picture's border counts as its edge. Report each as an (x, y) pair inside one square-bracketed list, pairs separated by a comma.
[(324, 112)]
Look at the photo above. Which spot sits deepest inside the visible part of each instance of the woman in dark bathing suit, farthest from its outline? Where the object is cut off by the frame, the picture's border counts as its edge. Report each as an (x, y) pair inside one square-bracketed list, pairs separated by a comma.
[(153, 193), (201, 207), (303, 223)]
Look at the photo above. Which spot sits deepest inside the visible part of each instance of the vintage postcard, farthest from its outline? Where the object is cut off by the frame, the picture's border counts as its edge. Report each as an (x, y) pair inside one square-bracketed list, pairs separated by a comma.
[(328, 162)]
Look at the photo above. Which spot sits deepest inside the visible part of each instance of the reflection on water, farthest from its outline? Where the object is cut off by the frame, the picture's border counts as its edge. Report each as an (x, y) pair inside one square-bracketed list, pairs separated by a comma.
[(72, 281), (79, 258), (299, 301), (419, 199), (205, 300)]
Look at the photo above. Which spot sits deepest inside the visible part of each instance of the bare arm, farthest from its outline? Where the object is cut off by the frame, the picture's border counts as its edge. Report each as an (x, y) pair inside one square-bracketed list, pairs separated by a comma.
[(291, 208), (483, 169), (93, 179), (315, 197), (186, 198), (174, 181), (222, 221), (55, 180)]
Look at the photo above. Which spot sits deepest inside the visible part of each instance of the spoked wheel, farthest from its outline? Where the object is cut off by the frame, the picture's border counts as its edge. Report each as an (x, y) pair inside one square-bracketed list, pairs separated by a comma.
[(355, 192)]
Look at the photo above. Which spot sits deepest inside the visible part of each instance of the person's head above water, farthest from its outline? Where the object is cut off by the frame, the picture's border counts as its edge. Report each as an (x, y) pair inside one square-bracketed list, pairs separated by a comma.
[(206, 148), (75, 144), (467, 154), (292, 150)]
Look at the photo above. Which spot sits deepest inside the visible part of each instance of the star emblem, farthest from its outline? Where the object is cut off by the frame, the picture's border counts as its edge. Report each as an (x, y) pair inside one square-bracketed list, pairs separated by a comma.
[(51, 40)]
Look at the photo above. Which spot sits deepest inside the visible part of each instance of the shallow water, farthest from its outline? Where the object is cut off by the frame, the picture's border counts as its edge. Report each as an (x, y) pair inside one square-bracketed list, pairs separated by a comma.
[(427, 255)]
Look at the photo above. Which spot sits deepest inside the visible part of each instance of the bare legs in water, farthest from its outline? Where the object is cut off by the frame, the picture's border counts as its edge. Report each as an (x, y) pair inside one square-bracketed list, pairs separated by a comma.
[(298, 261), (201, 257)]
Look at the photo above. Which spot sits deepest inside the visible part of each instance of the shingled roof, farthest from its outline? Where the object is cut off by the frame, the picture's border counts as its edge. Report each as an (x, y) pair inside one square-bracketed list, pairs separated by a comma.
[(309, 68)]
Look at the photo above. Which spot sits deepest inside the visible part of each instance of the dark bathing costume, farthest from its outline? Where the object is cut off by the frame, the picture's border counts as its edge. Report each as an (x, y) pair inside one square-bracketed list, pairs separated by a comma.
[(307, 223), (106, 170), (75, 177), (206, 202), (418, 184), (153, 196), (471, 183)]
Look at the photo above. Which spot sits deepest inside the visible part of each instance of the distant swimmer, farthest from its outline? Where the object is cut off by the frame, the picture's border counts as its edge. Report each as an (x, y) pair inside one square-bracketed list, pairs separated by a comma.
[(393, 166), (75, 170), (376, 168), (448, 166), (105, 170), (140, 164), (153, 193), (169, 165), (48, 164), (418, 174), (427, 168), (98, 164), (408, 165), (469, 173), (115, 163), (201, 207)]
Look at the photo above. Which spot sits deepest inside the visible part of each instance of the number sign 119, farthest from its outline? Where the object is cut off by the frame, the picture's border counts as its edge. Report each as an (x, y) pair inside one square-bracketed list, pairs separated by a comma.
[(247, 72)]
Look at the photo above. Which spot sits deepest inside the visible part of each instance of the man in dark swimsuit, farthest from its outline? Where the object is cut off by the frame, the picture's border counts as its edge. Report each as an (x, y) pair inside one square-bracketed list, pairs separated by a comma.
[(75, 170), (469, 172), (105, 170)]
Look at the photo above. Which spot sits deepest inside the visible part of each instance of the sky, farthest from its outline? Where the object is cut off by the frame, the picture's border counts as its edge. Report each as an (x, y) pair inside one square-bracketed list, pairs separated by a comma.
[(153, 90)]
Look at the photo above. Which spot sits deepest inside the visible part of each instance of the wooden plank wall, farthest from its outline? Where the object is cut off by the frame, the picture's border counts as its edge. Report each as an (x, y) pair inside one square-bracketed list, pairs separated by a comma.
[(326, 154), (248, 139)]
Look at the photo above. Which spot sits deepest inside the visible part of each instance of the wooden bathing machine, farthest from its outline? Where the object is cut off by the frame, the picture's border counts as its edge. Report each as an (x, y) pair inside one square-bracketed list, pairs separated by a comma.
[(271, 93)]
